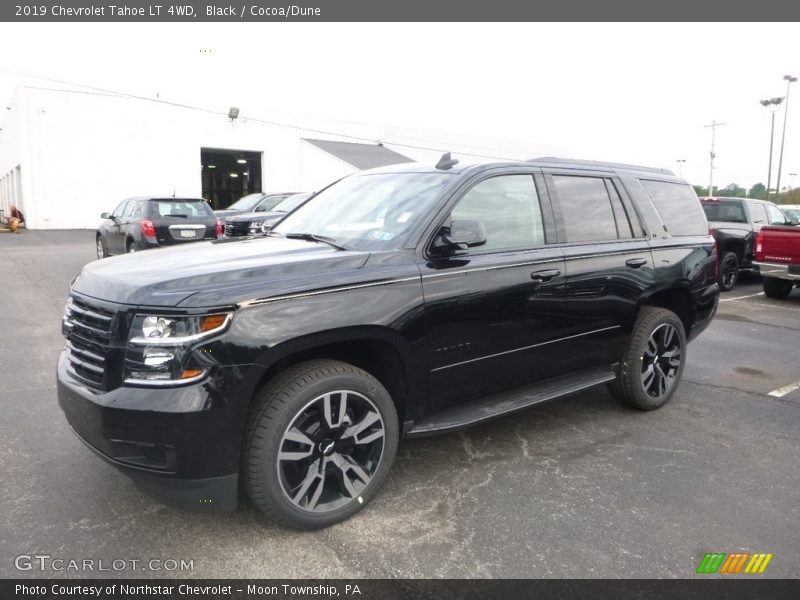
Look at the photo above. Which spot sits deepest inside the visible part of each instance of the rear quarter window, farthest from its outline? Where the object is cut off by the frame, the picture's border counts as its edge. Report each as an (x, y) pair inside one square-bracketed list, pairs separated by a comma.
[(678, 206)]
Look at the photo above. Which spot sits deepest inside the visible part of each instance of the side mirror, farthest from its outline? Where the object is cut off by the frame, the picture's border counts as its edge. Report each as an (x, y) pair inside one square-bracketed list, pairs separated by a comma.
[(259, 208), (460, 236), (105, 215)]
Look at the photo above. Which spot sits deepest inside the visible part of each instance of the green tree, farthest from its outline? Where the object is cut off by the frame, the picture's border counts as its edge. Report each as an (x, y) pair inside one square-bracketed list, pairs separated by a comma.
[(732, 190), (700, 190), (759, 190)]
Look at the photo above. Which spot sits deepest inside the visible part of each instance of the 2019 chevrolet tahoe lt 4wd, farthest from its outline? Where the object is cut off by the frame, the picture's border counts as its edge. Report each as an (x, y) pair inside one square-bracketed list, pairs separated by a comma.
[(401, 301)]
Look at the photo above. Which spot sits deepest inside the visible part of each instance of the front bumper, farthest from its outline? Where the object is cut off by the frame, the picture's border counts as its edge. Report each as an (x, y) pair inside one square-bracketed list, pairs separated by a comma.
[(181, 445), (779, 270)]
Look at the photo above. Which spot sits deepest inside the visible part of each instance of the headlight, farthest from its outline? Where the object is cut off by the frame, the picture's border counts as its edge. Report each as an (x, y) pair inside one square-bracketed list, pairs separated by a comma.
[(255, 227), (159, 347)]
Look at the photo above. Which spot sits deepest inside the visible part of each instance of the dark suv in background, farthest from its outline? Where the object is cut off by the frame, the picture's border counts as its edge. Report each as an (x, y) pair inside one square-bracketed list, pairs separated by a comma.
[(142, 223), (401, 301), (256, 223), (734, 223)]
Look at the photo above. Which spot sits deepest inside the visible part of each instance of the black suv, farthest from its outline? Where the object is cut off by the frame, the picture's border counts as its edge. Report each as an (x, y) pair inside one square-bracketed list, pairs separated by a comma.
[(401, 301), (256, 223)]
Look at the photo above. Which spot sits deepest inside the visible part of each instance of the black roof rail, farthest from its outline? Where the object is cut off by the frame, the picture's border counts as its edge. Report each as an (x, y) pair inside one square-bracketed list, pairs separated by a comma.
[(598, 163)]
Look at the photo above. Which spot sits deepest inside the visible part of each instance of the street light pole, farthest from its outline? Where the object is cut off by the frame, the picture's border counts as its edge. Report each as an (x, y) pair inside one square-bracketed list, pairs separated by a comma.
[(772, 104), (789, 81), (713, 126), (680, 162)]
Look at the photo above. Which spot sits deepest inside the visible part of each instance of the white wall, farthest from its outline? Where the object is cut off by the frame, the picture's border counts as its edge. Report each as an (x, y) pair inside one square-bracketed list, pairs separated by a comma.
[(81, 153)]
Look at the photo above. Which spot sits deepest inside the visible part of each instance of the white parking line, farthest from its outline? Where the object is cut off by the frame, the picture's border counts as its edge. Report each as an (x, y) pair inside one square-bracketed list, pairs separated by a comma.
[(741, 297), (785, 390)]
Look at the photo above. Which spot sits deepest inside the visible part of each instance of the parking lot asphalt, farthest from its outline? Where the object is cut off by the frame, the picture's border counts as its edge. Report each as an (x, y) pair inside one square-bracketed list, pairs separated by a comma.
[(581, 487)]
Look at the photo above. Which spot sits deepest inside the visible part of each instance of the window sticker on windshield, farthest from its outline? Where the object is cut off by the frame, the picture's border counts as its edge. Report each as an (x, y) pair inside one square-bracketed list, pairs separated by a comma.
[(404, 217), (381, 235)]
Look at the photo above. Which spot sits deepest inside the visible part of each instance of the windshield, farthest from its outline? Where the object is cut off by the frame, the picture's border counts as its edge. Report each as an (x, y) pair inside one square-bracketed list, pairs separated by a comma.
[(247, 203), (291, 203), (791, 213), (271, 202), (725, 211), (368, 212)]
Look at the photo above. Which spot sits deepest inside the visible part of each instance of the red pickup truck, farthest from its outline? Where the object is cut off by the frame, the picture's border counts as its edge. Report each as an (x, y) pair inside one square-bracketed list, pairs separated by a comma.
[(777, 256)]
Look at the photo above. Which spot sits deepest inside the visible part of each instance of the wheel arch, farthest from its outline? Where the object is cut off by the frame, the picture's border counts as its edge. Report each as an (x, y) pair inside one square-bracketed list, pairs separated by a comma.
[(379, 351), (677, 300)]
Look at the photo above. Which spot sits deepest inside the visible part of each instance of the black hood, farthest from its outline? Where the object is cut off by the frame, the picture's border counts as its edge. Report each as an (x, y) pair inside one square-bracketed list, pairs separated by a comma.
[(217, 273)]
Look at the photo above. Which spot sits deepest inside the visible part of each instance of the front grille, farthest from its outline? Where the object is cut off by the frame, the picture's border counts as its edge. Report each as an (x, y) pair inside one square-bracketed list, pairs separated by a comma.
[(236, 228), (89, 330)]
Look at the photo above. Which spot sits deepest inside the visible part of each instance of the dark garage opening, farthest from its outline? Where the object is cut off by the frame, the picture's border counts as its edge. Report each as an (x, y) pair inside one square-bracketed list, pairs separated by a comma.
[(229, 174)]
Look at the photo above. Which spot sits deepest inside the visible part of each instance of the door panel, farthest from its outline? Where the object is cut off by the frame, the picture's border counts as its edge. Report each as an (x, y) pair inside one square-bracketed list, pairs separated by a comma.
[(604, 285), (491, 325), (493, 312), (608, 270)]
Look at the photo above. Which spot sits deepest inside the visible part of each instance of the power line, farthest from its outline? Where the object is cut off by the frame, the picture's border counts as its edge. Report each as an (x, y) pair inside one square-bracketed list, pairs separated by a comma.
[(118, 94)]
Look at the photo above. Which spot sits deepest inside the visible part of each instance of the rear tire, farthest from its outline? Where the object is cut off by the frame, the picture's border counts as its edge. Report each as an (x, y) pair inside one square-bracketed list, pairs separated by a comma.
[(319, 444), (651, 367), (777, 288), (130, 247), (728, 271)]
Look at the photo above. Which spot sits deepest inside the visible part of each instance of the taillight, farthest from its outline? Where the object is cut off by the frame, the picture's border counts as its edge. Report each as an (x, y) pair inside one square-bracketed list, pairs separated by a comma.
[(711, 232), (219, 229), (148, 228), (759, 243)]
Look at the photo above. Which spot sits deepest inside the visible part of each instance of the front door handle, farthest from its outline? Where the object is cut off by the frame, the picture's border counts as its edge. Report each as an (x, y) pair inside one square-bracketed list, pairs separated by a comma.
[(635, 263), (545, 275)]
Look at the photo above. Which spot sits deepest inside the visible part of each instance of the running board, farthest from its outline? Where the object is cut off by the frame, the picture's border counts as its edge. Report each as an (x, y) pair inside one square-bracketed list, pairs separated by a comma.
[(510, 401)]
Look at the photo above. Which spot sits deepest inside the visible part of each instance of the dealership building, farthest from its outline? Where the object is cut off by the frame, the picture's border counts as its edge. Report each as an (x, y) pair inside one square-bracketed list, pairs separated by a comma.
[(66, 155)]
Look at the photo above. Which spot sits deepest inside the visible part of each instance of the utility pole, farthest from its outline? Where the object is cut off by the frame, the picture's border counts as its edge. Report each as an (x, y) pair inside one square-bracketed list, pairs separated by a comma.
[(680, 162), (789, 81), (713, 126)]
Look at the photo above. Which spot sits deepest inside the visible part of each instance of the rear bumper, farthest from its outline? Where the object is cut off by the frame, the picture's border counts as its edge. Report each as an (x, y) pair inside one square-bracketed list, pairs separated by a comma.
[(778, 270), (179, 445)]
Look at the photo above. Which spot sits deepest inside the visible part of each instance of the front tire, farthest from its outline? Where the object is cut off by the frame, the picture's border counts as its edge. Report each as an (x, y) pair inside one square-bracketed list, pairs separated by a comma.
[(777, 288), (101, 248), (728, 271), (651, 367), (320, 442)]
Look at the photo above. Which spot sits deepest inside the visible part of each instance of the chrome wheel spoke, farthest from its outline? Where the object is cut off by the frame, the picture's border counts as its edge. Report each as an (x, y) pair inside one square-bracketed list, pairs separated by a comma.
[(330, 451), (346, 466), (298, 437), (315, 474), (327, 405), (661, 360), (356, 430)]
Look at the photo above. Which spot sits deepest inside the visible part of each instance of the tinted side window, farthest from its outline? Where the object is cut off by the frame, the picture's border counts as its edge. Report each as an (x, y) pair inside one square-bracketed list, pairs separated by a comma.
[(586, 208), (775, 216), (758, 214), (678, 206), (120, 208), (508, 207)]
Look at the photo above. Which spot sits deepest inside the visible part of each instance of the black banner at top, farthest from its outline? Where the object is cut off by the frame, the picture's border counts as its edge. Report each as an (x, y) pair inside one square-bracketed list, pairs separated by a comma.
[(399, 10)]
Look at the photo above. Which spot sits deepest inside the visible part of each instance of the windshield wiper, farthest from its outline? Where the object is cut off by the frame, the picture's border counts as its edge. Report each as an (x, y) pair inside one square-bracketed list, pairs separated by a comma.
[(313, 237)]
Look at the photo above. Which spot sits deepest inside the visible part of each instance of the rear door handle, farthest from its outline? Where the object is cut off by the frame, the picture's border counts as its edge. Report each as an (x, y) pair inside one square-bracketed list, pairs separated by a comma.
[(545, 275), (635, 263)]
